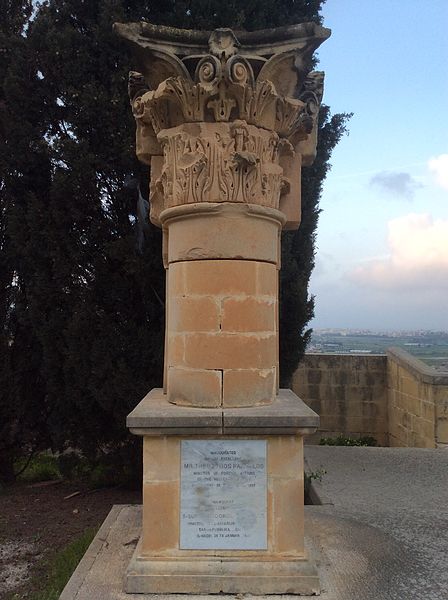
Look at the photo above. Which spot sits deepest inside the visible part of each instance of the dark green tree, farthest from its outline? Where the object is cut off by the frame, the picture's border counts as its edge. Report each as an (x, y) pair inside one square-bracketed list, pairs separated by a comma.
[(84, 294), (24, 184), (106, 326)]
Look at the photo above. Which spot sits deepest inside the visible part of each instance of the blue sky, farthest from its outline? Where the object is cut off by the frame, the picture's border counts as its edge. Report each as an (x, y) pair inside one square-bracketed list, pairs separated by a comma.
[(382, 245)]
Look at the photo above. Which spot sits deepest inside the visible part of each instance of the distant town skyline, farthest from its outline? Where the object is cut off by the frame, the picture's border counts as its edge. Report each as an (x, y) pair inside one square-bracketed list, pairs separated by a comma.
[(382, 244)]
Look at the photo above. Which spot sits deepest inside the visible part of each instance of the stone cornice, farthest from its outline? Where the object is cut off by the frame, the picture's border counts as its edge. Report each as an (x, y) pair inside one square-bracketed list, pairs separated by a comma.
[(150, 41), (261, 77)]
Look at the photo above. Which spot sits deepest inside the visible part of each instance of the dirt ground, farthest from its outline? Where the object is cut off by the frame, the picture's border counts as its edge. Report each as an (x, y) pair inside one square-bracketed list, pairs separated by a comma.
[(37, 519)]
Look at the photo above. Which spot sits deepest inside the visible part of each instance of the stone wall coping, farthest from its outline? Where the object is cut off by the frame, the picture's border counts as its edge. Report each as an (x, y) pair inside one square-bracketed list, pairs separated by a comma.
[(417, 367), (287, 415), (346, 354)]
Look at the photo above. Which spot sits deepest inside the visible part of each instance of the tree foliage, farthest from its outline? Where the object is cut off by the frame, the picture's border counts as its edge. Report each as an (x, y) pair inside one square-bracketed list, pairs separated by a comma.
[(24, 184), (82, 302)]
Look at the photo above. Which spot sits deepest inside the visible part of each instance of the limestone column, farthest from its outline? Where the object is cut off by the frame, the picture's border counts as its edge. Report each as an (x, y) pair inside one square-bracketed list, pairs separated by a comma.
[(225, 122)]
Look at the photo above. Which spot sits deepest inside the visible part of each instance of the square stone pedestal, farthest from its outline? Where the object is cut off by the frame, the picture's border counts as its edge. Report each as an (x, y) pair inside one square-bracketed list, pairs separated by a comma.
[(223, 499)]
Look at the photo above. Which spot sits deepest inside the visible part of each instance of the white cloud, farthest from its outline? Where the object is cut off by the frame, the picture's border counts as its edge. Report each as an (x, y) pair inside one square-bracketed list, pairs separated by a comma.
[(417, 258), (439, 166)]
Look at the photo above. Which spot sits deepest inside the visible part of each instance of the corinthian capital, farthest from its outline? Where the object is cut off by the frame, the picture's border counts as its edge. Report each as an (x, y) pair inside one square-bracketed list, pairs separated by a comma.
[(227, 110)]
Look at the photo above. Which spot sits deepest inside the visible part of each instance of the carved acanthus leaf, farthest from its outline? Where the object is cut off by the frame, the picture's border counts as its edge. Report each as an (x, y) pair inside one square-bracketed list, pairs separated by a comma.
[(219, 163), (225, 91), (288, 115)]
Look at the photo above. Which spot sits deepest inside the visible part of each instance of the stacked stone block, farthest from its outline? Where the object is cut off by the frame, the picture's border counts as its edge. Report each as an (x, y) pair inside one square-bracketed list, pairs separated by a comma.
[(417, 403), (396, 399), (222, 333), (348, 392)]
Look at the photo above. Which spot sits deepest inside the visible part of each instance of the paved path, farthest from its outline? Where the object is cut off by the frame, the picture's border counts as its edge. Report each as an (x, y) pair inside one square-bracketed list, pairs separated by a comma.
[(385, 537), (387, 533)]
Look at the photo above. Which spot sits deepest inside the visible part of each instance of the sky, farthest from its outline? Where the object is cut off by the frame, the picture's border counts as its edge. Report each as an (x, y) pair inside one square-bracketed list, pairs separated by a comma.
[(382, 242)]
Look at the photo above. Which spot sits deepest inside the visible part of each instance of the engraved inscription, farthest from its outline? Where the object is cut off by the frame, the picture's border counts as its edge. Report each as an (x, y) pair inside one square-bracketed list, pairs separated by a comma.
[(223, 495)]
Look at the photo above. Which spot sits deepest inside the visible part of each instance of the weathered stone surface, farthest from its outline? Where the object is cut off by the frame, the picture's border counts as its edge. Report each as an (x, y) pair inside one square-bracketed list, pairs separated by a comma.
[(248, 387), (226, 85), (215, 277), (286, 415), (249, 314), (161, 564), (224, 350), (222, 318), (397, 398), (288, 529), (155, 413), (158, 464), (223, 231), (220, 162), (415, 402), (213, 576), (287, 411), (226, 129), (193, 387), (347, 391), (226, 125), (194, 313), (160, 517)]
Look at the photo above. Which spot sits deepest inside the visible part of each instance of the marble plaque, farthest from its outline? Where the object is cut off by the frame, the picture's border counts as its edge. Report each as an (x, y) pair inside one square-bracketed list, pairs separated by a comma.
[(223, 495)]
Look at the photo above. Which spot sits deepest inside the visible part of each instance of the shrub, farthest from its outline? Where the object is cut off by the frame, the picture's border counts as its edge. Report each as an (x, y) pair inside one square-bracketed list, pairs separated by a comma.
[(342, 440)]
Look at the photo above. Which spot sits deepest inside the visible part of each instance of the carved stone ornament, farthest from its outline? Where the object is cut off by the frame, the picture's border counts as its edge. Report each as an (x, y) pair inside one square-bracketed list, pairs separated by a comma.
[(226, 110)]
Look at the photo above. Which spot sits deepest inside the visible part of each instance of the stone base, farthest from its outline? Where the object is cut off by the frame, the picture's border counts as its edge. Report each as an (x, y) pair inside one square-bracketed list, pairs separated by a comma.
[(215, 575), (266, 554), (287, 415)]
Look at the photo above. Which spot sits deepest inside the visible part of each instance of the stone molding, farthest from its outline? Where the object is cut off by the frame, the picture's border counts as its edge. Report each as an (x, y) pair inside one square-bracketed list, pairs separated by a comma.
[(215, 208), (288, 415), (208, 231)]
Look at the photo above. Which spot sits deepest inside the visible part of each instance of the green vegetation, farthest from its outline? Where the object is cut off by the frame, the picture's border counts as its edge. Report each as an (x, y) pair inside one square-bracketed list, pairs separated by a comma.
[(102, 473), (310, 476), (42, 467), (59, 568), (81, 277), (342, 440)]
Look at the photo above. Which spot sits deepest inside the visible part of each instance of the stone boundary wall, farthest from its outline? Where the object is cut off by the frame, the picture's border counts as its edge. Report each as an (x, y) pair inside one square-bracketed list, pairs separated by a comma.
[(348, 392), (417, 402), (395, 398)]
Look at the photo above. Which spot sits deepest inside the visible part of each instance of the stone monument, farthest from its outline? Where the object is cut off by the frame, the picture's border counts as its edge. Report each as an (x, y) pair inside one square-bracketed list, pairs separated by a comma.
[(225, 120)]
